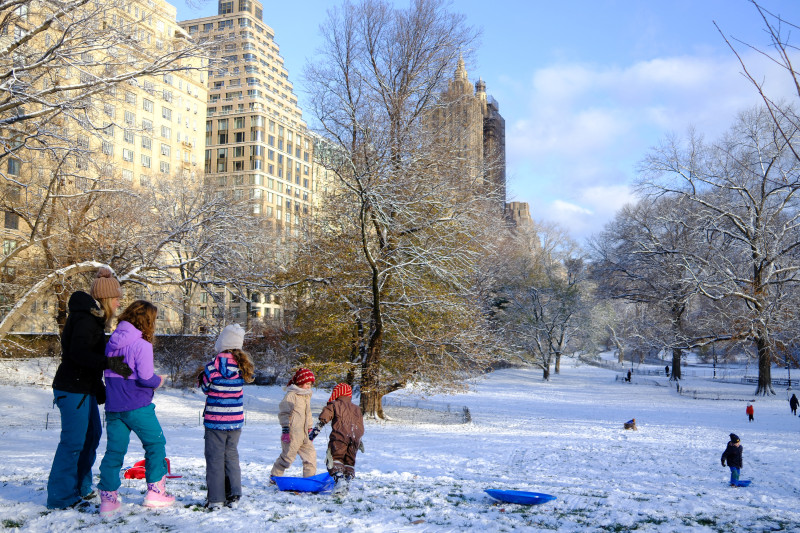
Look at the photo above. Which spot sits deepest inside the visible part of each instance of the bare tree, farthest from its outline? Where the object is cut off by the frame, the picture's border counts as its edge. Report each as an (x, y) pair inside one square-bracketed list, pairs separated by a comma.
[(63, 67), (544, 295), (408, 228), (640, 258), (743, 195)]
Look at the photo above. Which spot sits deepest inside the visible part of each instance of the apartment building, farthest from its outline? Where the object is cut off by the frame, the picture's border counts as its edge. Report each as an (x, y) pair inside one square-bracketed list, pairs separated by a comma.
[(145, 128), (256, 142)]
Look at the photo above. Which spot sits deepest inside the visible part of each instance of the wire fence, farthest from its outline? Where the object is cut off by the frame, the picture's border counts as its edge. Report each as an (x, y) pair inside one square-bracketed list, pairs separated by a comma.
[(406, 411), (417, 411)]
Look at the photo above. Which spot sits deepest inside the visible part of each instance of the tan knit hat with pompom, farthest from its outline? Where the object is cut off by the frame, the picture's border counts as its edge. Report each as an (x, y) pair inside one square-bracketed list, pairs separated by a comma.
[(105, 285)]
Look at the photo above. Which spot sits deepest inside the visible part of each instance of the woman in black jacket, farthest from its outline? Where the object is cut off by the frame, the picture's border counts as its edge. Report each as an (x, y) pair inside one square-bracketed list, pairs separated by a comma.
[(78, 389)]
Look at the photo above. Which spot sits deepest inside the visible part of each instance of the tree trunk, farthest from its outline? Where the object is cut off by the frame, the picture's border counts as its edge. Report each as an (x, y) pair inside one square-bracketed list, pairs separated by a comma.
[(546, 372), (371, 391), (676, 365), (371, 403), (764, 366), (186, 315), (557, 368)]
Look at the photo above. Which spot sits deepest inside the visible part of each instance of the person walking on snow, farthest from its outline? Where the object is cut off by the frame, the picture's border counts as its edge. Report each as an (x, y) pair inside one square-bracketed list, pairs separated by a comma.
[(78, 389), (129, 407), (222, 381), (793, 403), (733, 455), (294, 415), (749, 412), (347, 428)]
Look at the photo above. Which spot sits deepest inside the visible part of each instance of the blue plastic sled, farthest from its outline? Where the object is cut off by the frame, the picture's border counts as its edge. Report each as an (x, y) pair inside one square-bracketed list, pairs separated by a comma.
[(743, 483), (521, 497), (319, 483)]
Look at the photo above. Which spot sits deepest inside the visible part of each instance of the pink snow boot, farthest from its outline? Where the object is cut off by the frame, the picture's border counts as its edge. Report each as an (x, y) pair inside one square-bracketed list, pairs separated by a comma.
[(109, 503), (157, 494)]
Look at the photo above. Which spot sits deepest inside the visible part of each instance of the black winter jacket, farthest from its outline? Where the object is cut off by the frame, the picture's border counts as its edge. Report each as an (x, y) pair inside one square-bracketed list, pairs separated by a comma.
[(83, 345), (733, 454)]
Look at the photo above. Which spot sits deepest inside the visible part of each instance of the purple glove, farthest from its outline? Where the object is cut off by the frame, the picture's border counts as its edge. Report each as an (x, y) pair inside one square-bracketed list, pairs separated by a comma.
[(285, 436)]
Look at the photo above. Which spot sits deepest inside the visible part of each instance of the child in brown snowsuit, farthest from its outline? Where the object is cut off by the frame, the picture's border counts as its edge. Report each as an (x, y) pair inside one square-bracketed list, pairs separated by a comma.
[(347, 428)]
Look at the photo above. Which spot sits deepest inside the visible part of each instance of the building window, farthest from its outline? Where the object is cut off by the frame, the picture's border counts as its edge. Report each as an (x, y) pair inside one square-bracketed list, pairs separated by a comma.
[(14, 166), (147, 143), (166, 113), (145, 161), (166, 132), (147, 105), (11, 220), (127, 175), (9, 246), (127, 155), (225, 8), (128, 136), (108, 149), (147, 125), (130, 118)]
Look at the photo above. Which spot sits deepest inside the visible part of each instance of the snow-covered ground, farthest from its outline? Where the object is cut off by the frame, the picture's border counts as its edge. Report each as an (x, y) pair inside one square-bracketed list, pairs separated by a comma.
[(564, 437)]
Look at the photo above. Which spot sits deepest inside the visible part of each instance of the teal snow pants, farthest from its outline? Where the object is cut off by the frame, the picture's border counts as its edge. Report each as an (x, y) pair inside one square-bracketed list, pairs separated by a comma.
[(144, 424)]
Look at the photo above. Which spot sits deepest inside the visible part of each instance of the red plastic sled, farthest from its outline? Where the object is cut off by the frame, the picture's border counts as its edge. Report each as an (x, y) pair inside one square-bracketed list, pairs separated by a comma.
[(137, 471)]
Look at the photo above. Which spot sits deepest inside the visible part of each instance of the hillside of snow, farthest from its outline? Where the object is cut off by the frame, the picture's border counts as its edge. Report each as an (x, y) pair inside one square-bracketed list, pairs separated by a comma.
[(563, 437)]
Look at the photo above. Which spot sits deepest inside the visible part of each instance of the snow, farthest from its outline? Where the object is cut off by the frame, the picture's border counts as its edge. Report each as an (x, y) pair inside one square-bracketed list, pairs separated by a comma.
[(562, 437)]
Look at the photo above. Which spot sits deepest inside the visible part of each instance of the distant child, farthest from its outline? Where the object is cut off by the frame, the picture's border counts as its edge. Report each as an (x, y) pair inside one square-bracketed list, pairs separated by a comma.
[(749, 412), (793, 402), (222, 381), (733, 455), (347, 428), (294, 414), (129, 407)]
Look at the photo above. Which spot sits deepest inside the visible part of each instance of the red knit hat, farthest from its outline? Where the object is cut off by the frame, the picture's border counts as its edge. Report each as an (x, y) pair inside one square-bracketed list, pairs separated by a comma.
[(303, 375), (342, 389)]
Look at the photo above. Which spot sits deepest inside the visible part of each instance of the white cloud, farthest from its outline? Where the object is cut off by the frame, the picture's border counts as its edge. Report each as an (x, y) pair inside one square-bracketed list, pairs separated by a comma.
[(573, 154), (594, 208)]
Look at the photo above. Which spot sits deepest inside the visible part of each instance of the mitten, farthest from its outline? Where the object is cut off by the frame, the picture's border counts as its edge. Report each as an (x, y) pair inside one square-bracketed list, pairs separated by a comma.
[(723, 462), (119, 366), (285, 436), (313, 432)]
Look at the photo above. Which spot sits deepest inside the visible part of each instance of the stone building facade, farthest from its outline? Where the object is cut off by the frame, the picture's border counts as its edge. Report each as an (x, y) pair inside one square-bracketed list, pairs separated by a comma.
[(471, 121), (135, 132)]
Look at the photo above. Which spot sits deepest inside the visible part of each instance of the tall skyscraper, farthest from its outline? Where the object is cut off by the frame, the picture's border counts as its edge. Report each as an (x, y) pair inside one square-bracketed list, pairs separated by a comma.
[(257, 144), (472, 123)]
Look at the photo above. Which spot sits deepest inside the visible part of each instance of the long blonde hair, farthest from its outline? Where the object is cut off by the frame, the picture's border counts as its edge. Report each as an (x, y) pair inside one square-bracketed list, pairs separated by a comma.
[(246, 369), (108, 312)]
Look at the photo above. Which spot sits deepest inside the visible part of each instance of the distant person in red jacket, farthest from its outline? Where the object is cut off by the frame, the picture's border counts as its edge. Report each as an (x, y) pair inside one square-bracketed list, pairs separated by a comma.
[(749, 412)]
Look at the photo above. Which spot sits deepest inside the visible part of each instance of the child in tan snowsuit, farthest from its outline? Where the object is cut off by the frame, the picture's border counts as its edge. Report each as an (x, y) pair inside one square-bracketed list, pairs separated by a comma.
[(294, 415)]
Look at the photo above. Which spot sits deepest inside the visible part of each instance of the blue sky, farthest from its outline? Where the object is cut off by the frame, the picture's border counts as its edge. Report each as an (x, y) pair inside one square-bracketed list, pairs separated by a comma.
[(585, 86)]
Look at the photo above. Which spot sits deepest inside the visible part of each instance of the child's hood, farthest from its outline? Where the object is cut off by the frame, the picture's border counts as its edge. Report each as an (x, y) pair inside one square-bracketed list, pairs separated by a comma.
[(125, 335), (226, 365), (298, 390)]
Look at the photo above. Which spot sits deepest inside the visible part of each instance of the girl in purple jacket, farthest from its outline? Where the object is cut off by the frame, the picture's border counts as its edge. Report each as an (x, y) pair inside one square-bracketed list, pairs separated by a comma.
[(129, 407)]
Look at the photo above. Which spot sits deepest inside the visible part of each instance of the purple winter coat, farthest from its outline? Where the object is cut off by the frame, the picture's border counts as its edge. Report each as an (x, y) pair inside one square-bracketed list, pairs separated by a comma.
[(136, 391)]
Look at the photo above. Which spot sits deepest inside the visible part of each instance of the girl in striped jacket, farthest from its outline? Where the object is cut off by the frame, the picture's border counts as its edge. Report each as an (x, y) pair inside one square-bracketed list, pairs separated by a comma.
[(222, 381)]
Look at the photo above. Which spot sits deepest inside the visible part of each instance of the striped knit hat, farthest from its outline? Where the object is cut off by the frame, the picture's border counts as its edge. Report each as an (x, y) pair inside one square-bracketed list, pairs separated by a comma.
[(303, 375), (342, 389)]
